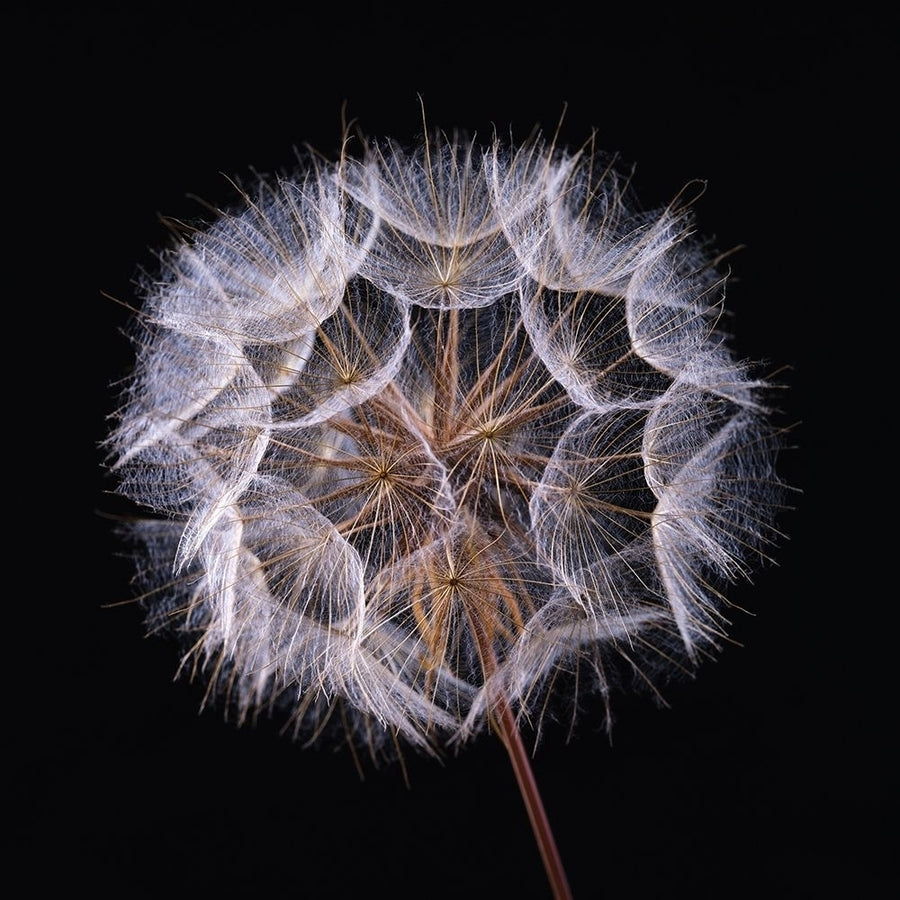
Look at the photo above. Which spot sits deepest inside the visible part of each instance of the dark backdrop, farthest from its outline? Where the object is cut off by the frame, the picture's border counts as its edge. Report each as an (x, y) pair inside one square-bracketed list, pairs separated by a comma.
[(763, 777)]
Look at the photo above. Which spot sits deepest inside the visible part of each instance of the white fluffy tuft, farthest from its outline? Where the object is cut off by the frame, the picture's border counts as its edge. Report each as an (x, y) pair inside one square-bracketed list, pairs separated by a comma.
[(435, 426)]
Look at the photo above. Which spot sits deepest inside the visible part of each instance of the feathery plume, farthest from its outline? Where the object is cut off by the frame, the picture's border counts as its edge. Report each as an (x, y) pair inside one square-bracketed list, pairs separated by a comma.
[(426, 428)]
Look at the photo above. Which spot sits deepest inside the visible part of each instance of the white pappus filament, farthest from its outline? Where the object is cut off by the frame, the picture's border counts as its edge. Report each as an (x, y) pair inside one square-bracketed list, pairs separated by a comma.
[(427, 427)]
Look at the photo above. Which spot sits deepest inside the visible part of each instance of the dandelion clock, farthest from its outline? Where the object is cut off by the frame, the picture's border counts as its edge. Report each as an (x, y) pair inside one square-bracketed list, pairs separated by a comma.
[(428, 435)]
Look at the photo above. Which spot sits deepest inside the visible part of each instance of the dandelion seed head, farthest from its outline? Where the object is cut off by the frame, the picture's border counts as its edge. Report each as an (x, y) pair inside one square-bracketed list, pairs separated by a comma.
[(429, 426)]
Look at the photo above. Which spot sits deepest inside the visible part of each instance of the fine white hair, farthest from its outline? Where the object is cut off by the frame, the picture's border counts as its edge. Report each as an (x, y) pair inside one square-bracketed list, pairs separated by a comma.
[(435, 425)]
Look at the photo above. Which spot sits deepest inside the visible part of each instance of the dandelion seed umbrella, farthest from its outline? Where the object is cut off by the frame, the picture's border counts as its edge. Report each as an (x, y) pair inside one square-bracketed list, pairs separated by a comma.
[(423, 429)]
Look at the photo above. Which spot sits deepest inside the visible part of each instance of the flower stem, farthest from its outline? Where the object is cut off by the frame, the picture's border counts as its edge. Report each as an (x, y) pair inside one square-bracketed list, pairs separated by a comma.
[(509, 734), (504, 724)]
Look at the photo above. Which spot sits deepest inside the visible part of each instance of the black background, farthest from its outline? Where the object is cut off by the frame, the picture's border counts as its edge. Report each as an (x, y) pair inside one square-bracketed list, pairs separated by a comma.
[(765, 777)]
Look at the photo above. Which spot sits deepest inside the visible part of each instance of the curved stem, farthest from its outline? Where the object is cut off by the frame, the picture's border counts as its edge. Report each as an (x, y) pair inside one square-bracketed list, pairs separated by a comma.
[(512, 740), (504, 723)]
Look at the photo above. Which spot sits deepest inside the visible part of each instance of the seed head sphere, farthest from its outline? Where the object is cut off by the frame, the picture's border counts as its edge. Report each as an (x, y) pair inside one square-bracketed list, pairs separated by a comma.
[(432, 428)]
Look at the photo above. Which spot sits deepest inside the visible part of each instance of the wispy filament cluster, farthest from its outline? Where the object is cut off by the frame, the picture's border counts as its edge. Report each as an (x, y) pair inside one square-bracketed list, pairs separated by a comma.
[(425, 429)]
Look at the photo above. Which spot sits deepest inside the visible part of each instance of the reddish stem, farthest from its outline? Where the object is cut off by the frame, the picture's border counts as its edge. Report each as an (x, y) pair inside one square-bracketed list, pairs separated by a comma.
[(540, 824), (504, 722)]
